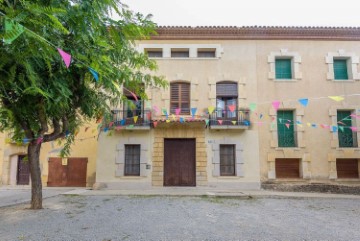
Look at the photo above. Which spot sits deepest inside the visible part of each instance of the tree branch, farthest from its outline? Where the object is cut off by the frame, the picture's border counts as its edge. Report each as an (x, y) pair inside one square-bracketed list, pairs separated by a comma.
[(58, 131), (42, 118)]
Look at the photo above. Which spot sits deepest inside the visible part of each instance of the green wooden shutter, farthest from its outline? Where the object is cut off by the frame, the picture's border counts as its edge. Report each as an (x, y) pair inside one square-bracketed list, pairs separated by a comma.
[(286, 136), (346, 136), (283, 69), (340, 69)]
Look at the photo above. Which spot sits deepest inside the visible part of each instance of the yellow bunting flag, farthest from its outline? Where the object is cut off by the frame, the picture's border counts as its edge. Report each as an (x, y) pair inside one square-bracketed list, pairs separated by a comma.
[(167, 121), (135, 119), (336, 98), (234, 122), (211, 109)]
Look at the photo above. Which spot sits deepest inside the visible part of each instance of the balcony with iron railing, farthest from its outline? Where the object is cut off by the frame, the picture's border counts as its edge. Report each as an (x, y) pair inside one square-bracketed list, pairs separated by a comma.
[(287, 139), (226, 119), (136, 119)]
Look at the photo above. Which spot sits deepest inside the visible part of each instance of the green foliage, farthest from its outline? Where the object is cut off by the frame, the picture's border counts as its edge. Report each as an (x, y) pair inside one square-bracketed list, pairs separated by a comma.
[(39, 95)]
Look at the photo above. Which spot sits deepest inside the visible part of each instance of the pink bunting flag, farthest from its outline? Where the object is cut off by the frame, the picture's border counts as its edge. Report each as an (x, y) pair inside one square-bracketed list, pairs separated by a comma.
[(39, 140), (149, 115), (259, 123), (220, 122), (231, 108), (111, 124), (157, 110), (66, 57), (118, 128), (287, 125), (276, 104), (353, 128), (177, 111), (155, 124), (133, 95)]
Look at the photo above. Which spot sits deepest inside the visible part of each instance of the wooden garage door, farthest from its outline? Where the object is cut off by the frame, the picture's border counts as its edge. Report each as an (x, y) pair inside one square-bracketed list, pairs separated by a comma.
[(71, 175), (179, 162), (287, 168), (347, 168)]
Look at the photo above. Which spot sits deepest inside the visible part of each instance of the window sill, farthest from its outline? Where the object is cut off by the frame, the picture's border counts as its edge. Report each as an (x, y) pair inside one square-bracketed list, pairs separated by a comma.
[(347, 148), (287, 148), (228, 177), (132, 177), (342, 80), (285, 80)]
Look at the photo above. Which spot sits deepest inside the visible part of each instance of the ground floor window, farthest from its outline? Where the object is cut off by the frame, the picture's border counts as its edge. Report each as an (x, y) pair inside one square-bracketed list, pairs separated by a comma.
[(287, 168), (132, 160), (347, 168), (227, 160)]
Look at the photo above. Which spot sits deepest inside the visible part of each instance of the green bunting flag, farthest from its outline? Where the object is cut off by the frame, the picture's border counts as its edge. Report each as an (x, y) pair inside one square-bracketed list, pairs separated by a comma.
[(12, 30)]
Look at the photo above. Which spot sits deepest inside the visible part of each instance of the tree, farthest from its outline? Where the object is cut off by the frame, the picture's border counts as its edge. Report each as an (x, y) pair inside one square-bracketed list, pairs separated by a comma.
[(41, 99)]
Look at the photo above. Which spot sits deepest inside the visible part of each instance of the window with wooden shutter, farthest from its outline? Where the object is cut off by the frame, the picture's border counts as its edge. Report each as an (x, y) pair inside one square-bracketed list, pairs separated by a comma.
[(180, 98), (206, 53), (285, 128), (347, 168), (154, 53), (287, 168), (180, 53), (283, 69), (226, 95), (132, 160), (227, 160), (340, 69), (347, 138)]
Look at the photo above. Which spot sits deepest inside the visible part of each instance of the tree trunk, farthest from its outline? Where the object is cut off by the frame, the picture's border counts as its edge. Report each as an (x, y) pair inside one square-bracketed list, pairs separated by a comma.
[(35, 173)]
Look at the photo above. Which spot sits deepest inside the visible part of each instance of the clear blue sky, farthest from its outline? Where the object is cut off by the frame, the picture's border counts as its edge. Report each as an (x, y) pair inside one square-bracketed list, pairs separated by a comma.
[(249, 13)]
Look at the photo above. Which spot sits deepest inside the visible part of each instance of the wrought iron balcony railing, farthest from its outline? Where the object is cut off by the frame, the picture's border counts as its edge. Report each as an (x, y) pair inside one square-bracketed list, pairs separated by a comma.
[(287, 139), (136, 117), (238, 117)]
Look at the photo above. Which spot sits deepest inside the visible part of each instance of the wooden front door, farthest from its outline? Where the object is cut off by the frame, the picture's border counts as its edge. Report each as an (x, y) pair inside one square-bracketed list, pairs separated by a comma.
[(179, 162), (347, 168), (23, 171), (73, 174)]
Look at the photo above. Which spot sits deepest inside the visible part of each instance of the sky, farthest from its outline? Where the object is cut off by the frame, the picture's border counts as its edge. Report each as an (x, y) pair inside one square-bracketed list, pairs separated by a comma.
[(250, 13)]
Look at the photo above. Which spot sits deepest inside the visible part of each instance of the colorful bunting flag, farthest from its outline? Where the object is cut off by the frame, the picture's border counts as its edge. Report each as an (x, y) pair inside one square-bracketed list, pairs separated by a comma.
[(131, 126), (157, 110), (155, 124), (334, 128), (304, 102), (231, 108), (110, 124), (341, 128), (106, 129), (261, 116), (66, 57), (135, 119), (234, 122), (133, 94), (353, 128), (167, 121), (39, 140), (252, 106), (336, 98), (220, 122), (287, 125), (94, 73), (193, 112), (118, 128), (177, 111), (211, 109), (207, 122), (182, 120), (276, 104)]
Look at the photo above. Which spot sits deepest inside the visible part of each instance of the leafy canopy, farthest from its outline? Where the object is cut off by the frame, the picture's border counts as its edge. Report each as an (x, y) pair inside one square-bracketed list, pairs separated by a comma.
[(40, 97)]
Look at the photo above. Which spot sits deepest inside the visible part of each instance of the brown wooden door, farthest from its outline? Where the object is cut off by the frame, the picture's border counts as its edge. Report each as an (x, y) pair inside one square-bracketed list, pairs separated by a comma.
[(347, 168), (71, 175), (287, 168), (76, 172), (23, 172), (179, 162)]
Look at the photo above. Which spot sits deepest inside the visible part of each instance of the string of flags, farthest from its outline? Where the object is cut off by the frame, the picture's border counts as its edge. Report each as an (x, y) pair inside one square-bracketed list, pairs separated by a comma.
[(13, 30)]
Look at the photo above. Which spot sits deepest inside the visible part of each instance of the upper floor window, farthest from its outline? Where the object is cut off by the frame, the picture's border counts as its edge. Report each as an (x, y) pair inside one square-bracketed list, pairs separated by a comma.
[(285, 128), (283, 68), (226, 95), (180, 97), (206, 53), (180, 53), (340, 69), (154, 53), (132, 107), (347, 138)]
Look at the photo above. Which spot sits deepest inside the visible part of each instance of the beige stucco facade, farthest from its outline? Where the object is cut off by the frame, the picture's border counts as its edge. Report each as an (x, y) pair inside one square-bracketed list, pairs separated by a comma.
[(85, 146), (246, 56)]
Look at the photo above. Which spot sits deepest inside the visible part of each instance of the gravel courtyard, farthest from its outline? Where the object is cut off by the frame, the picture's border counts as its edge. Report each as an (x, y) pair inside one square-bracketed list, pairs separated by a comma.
[(182, 218)]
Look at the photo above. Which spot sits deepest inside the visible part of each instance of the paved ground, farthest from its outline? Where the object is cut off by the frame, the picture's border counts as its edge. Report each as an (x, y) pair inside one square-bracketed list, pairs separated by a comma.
[(93, 217)]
